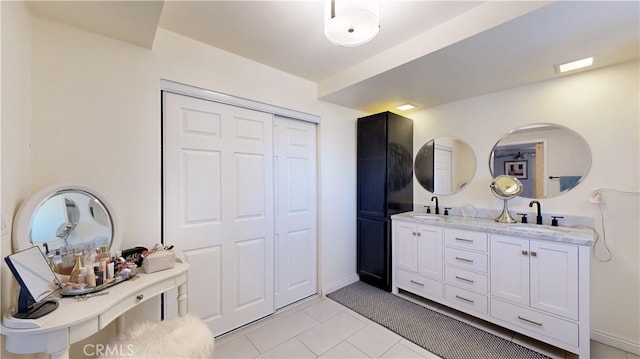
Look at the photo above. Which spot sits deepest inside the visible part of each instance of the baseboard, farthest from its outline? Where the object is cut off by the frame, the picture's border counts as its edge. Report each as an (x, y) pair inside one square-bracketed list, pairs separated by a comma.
[(340, 284), (622, 344)]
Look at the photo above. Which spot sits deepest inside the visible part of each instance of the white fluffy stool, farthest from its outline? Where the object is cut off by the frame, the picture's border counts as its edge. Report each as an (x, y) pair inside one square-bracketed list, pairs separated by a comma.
[(182, 337)]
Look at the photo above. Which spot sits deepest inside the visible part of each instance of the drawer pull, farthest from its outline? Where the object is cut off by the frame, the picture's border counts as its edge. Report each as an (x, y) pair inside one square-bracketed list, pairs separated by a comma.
[(464, 240), (464, 279), (464, 259), (530, 321), (139, 297), (465, 299), (418, 283)]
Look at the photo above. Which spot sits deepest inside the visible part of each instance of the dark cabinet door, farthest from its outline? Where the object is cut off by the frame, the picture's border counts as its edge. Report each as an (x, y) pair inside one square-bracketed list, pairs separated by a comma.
[(385, 187), (374, 252)]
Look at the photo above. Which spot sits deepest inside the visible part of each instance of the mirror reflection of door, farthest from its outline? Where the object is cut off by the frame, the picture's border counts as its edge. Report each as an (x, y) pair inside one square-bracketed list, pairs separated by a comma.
[(529, 159), (442, 168)]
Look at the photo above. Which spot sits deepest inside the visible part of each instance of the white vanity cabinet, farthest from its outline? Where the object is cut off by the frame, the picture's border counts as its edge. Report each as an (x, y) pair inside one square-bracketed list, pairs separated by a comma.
[(417, 250), (534, 283), (535, 286), (540, 274)]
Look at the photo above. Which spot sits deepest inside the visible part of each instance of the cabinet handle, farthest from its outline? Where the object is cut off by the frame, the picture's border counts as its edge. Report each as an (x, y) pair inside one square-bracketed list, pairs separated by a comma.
[(534, 253), (414, 233), (465, 299), (418, 283), (419, 234), (464, 240), (464, 259), (529, 321), (139, 297), (525, 253), (464, 279)]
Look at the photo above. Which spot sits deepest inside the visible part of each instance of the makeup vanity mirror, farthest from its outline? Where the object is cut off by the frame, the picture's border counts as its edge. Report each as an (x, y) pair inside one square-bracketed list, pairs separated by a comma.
[(37, 282), (548, 159), (444, 165), (64, 218)]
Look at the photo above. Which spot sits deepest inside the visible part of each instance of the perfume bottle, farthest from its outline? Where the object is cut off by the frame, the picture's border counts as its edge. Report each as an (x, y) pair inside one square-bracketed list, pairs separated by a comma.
[(75, 272), (52, 263)]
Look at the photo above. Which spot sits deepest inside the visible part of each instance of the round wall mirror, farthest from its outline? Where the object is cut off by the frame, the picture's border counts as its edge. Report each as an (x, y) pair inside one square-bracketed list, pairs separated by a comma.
[(65, 218), (444, 165), (548, 159)]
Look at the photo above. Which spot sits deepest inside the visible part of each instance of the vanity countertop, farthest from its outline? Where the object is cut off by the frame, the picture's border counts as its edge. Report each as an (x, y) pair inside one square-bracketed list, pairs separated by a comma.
[(574, 235)]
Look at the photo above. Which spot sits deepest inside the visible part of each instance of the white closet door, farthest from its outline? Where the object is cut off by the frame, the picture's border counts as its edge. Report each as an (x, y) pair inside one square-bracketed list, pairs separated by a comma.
[(218, 207), (296, 215)]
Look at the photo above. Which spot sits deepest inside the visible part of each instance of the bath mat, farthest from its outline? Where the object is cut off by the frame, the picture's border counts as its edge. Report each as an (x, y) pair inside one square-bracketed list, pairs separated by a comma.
[(440, 334)]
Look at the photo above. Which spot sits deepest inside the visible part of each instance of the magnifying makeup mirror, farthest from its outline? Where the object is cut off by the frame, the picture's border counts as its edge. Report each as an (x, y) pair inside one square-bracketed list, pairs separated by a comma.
[(505, 187)]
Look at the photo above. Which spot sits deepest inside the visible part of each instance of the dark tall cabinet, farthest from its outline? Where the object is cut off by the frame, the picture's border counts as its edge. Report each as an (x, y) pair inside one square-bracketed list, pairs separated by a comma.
[(385, 187)]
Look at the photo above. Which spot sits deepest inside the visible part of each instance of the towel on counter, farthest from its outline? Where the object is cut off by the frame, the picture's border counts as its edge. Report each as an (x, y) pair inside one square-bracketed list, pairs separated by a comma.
[(568, 182)]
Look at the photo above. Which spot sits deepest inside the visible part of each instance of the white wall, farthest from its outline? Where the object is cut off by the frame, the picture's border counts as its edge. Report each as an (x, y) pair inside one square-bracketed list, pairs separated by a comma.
[(15, 119), (603, 107), (95, 106)]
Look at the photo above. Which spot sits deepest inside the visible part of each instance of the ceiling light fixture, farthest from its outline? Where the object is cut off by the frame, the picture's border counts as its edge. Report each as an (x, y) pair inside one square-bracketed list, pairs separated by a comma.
[(351, 23), (574, 65), (405, 107)]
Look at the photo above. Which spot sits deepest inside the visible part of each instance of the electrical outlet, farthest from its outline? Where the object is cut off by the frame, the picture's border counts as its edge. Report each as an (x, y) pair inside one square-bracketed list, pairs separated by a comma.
[(598, 197)]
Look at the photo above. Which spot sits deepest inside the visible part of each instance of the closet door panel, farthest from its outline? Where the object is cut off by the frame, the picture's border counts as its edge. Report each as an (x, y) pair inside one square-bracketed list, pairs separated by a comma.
[(218, 206), (296, 215)]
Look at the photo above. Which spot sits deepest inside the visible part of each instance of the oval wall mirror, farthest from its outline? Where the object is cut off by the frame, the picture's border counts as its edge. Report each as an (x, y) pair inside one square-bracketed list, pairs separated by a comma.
[(64, 218), (445, 165), (548, 159)]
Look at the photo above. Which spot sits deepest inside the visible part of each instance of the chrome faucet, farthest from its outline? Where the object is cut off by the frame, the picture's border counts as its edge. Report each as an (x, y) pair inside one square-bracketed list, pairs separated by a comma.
[(437, 208), (539, 216)]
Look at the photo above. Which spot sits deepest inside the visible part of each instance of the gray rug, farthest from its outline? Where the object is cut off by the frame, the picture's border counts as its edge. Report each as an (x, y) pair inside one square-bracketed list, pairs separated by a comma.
[(440, 334)]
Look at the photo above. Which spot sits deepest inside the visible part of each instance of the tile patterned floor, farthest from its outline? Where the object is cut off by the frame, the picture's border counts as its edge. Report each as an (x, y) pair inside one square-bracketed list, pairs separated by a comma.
[(321, 328)]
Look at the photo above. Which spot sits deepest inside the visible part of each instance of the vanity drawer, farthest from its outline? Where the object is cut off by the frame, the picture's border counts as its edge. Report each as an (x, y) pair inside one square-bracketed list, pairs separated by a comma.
[(469, 300), (546, 325), (472, 281), (461, 238), (418, 284), (466, 259), (131, 300)]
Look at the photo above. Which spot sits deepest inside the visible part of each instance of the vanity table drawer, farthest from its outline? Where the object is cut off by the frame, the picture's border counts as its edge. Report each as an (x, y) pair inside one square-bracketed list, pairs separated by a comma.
[(472, 281), (466, 259), (418, 284), (466, 299), (136, 297), (532, 320), (461, 238)]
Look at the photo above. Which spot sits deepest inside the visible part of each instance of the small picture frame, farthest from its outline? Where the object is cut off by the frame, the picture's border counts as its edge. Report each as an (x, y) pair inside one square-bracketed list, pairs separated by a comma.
[(517, 169)]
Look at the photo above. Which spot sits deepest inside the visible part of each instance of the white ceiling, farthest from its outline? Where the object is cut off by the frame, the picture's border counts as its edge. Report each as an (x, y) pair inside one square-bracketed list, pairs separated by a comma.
[(427, 52)]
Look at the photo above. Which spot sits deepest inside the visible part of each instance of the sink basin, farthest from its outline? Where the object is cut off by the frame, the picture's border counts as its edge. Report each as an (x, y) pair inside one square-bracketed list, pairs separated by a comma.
[(426, 216), (536, 228)]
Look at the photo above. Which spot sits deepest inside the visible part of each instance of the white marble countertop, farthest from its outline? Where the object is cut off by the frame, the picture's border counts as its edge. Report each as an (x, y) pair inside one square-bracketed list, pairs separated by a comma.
[(574, 235)]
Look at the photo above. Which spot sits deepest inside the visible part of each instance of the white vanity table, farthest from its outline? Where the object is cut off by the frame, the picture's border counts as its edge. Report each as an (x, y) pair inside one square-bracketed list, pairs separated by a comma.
[(531, 279), (75, 320)]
